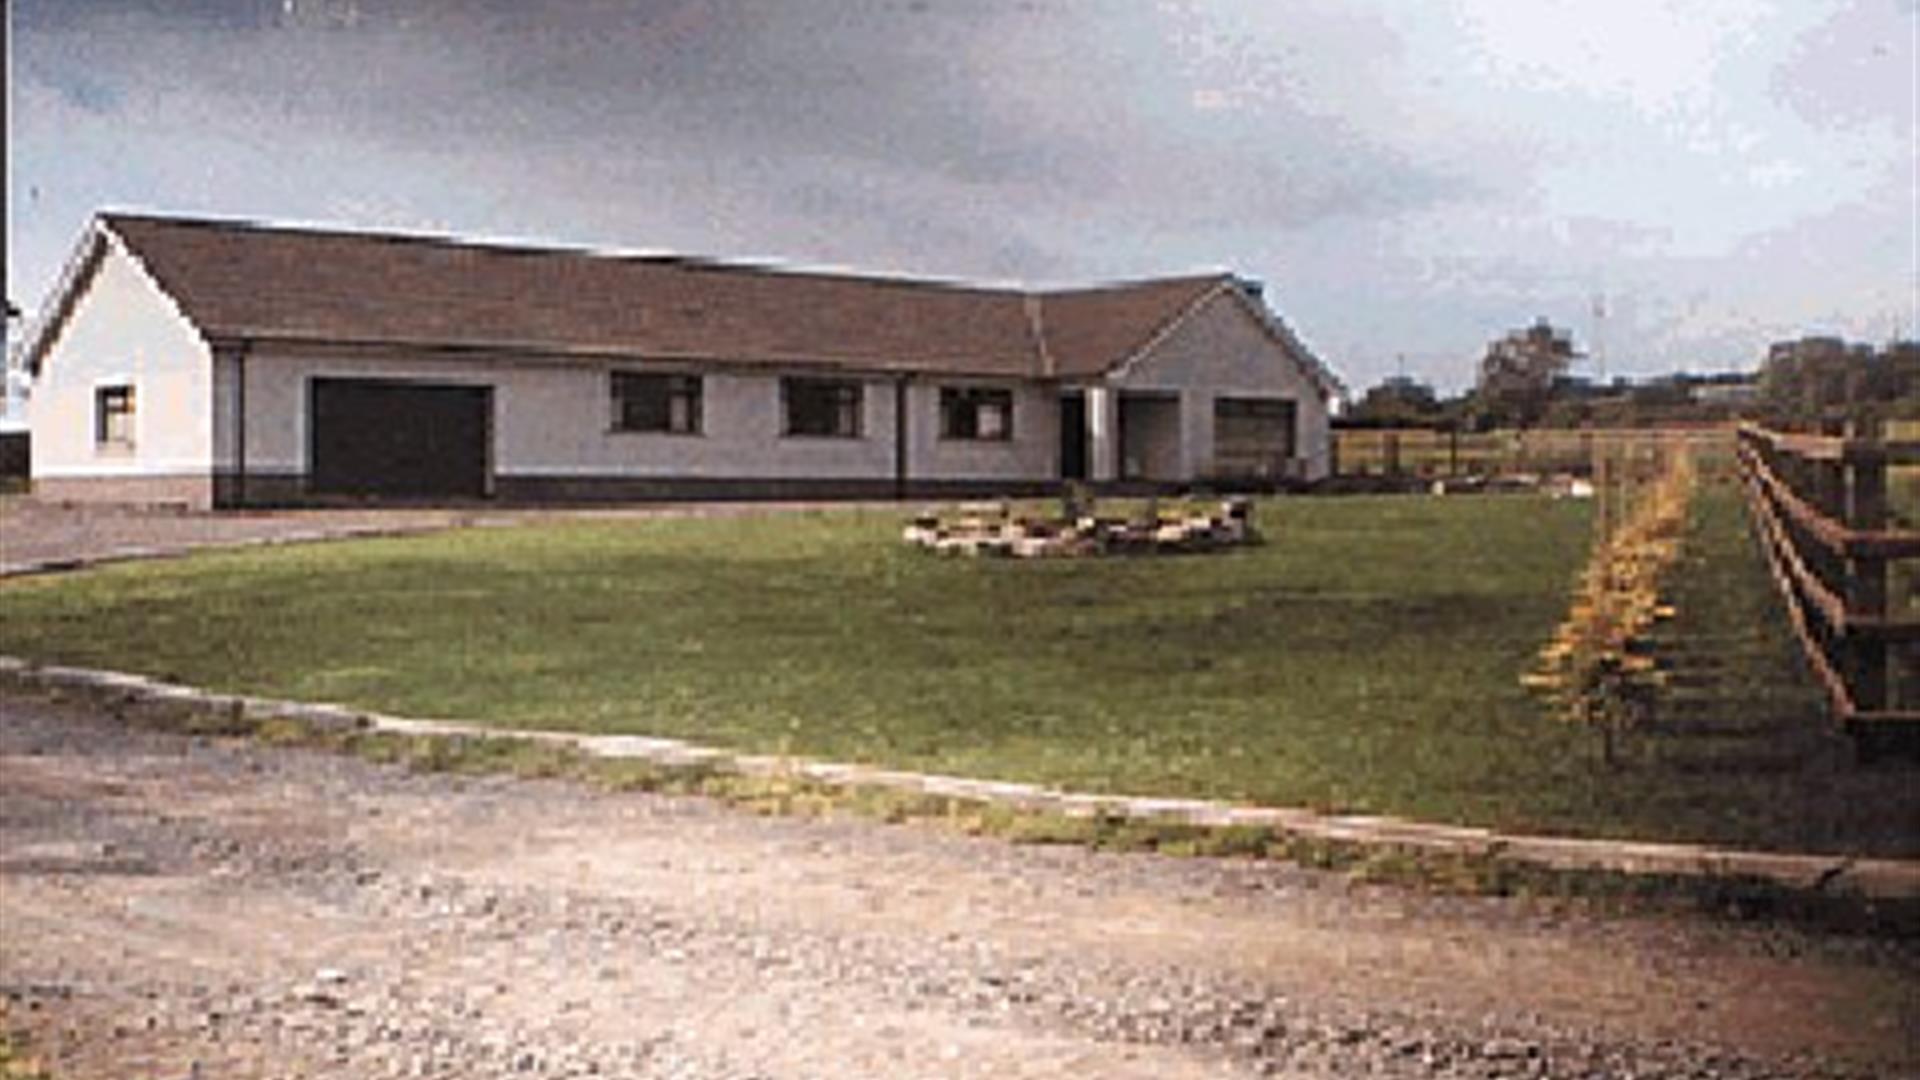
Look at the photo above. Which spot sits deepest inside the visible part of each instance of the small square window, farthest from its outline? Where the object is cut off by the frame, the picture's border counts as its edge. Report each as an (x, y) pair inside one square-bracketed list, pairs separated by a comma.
[(975, 412), (827, 408), (113, 416), (659, 403)]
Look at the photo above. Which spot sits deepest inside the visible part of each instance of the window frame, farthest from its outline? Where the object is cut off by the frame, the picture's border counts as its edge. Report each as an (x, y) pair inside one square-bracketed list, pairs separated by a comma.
[(1233, 410), (672, 386), (849, 405), (107, 417), (966, 402)]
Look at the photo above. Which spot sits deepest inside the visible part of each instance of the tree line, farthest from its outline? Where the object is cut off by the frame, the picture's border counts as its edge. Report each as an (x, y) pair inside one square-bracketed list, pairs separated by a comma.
[(1525, 380)]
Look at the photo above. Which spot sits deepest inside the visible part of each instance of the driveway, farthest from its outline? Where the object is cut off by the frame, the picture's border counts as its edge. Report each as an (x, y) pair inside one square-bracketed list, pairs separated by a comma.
[(178, 907), (37, 536)]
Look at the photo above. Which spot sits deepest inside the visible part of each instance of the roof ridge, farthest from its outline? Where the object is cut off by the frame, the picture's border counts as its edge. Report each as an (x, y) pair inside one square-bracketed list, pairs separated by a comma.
[(681, 260), (1037, 330), (1120, 284), (553, 249)]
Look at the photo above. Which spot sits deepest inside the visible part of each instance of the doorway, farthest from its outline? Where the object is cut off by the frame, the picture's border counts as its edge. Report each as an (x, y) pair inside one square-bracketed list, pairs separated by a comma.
[(1073, 436)]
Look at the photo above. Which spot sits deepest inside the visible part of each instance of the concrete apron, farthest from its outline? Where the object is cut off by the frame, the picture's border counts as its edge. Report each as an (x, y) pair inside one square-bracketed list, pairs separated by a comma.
[(1827, 875)]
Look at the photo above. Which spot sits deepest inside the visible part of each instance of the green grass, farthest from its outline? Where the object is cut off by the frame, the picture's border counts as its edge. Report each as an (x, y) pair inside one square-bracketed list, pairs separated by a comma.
[(1365, 660), (1744, 725), (1309, 670)]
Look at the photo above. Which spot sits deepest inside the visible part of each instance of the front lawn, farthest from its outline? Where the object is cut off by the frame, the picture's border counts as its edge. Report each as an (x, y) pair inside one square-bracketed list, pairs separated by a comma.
[(1367, 658), (1317, 668)]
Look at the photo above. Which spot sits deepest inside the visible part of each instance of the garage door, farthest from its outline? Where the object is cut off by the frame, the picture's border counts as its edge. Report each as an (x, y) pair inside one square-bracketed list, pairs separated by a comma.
[(387, 437)]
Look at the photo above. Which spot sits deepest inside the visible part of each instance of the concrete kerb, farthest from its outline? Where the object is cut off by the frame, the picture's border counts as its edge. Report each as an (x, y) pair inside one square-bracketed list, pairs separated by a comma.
[(1824, 875)]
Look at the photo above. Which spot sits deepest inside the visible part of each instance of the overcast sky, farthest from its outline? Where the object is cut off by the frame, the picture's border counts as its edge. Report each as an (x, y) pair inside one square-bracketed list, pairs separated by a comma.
[(1410, 177)]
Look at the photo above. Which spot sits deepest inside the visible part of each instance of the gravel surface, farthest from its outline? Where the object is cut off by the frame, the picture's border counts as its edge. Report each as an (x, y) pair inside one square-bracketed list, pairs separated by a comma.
[(177, 907), (36, 535)]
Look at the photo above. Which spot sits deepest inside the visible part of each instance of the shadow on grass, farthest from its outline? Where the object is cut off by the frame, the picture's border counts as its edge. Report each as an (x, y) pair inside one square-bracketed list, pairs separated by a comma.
[(1743, 710)]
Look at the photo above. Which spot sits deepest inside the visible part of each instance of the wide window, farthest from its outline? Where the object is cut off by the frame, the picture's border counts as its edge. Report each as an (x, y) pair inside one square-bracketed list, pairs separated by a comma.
[(113, 416), (828, 408), (650, 402), (974, 412), (1253, 436)]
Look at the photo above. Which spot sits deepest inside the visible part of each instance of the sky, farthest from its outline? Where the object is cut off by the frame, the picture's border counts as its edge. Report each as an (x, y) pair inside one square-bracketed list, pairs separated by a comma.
[(1677, 182)]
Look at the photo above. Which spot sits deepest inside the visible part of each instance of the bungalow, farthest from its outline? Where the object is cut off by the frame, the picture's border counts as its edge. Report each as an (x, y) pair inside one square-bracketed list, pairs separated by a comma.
[(226, 363)]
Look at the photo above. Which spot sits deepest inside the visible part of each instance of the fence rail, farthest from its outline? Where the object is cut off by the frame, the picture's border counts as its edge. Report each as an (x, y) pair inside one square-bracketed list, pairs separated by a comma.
[(1439, 453), (1820, 505)]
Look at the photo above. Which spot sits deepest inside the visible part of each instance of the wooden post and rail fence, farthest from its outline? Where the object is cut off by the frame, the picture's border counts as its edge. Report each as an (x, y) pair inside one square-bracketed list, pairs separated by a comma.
[(1820, 505), (1449, 453)]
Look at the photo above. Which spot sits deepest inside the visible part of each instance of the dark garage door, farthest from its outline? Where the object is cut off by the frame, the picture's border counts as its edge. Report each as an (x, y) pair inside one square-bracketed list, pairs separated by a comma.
[(393, 438)]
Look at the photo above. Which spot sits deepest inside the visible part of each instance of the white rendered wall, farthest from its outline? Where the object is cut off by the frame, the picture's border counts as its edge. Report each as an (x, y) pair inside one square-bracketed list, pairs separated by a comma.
[(555, 420), (124, 330), (1033, 453)]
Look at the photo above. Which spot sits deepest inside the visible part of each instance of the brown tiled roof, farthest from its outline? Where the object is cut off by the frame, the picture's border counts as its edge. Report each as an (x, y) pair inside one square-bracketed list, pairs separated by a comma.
[(1089, 331), (241, 280)]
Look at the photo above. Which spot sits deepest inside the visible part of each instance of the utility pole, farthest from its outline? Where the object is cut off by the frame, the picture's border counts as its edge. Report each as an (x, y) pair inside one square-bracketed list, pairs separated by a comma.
[(1600, 337)]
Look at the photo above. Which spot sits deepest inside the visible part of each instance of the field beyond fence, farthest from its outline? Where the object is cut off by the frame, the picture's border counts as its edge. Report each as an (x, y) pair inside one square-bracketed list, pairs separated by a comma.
[(1435, 454)]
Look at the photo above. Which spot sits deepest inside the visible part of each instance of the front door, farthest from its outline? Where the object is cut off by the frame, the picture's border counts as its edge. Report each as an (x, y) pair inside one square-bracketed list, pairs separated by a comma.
[(1073, 437)]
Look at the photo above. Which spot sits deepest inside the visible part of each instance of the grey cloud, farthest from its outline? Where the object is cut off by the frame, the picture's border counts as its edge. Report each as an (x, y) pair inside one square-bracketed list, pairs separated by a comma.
[(1856, 67), (1012, 98)]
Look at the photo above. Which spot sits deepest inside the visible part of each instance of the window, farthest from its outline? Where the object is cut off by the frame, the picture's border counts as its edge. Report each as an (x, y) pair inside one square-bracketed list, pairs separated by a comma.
[(1253, 436), (976, 413), (113, 416), (665, 403), (829, 408)]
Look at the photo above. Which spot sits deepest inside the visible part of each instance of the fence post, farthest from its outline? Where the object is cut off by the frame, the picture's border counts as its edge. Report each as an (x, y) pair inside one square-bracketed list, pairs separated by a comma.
[(1830, 496), (1392, 453), (1602, 492), (1867, 574)]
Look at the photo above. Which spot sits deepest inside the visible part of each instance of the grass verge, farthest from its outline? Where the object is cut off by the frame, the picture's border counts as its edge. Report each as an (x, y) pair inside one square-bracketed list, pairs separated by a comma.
[(1481, 874)]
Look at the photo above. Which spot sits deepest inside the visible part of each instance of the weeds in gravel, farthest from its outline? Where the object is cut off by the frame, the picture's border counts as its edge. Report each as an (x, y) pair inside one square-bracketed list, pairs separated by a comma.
[(17, 1061)]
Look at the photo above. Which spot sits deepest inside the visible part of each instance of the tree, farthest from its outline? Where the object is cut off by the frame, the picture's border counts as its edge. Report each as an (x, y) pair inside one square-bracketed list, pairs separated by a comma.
[(1399, 401), (1518, 374), (1824, 380)]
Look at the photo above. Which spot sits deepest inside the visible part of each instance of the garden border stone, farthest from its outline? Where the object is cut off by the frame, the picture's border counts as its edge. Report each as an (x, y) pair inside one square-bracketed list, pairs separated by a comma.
[(1840, 876)]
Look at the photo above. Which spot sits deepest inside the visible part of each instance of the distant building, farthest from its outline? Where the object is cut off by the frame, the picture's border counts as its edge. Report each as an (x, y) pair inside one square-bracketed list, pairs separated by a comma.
[(1733, 390)]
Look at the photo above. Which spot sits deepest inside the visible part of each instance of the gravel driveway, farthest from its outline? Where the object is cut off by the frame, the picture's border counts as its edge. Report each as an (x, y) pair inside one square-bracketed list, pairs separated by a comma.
[(176, 907), (34, 533)]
